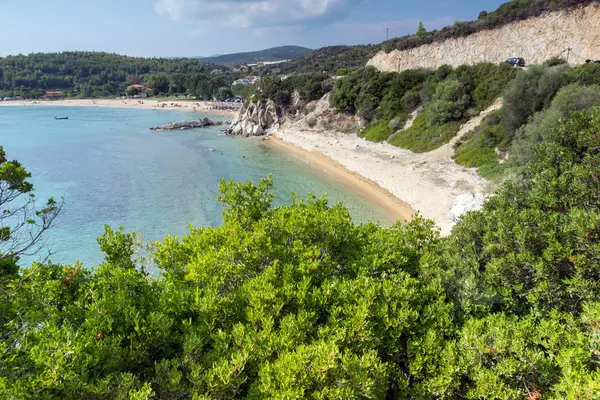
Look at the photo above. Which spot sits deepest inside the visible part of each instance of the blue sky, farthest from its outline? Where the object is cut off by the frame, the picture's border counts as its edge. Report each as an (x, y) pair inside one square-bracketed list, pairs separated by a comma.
[(204, 27)]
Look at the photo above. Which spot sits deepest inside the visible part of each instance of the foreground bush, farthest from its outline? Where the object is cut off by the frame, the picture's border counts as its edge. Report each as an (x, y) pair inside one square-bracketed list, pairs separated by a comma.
[(298, 302)]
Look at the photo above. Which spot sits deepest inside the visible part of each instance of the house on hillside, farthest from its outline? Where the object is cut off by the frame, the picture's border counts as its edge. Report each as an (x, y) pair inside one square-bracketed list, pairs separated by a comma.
[(52, 95), (138, 91)]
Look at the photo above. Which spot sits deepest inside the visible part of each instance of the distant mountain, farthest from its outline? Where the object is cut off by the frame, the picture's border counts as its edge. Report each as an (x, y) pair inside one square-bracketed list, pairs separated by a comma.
[(273, 54)]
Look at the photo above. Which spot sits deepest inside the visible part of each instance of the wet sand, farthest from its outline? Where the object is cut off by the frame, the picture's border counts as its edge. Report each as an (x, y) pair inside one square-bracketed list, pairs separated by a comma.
[(393, 209)]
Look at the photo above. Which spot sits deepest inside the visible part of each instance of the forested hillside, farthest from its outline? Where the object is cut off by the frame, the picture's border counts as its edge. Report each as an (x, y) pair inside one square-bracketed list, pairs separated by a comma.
[(299, 302), (273, 54), (94, 74), (324, 60)]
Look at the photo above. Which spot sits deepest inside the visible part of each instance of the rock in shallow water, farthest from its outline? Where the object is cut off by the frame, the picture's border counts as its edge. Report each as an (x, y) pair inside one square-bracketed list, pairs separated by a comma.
[(198, 123)]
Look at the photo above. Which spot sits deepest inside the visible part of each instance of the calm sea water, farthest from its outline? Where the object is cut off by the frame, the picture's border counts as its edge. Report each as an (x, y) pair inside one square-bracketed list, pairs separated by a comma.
[(112, 170)]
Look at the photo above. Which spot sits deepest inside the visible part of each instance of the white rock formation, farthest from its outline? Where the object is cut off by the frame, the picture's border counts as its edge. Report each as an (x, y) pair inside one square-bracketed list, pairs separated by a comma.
[(467, 202), (255, 118)]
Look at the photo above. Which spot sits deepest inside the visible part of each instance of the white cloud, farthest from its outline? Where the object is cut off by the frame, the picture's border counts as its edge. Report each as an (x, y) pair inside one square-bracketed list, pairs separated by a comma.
[(256, 13)]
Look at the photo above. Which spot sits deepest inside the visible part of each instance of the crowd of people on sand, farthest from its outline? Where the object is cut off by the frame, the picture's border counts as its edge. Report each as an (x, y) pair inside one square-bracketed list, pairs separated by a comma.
[(224, 106), (216, 105)]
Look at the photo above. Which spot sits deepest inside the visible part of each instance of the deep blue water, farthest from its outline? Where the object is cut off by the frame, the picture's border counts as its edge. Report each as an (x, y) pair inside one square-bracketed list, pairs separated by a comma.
[(112, 170)]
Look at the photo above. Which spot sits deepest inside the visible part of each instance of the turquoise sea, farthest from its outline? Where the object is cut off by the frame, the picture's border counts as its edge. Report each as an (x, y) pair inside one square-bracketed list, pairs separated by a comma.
[(112, 170)]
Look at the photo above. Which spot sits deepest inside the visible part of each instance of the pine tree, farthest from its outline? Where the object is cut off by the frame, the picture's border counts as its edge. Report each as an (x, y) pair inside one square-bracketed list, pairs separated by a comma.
[(421, 31)]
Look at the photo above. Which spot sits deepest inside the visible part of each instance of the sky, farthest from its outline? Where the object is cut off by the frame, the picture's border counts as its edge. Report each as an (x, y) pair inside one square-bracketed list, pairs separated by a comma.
[(188, 28)]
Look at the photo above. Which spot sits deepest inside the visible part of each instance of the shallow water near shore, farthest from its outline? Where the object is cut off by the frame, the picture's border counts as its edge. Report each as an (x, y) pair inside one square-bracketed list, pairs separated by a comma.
[(112, 170)]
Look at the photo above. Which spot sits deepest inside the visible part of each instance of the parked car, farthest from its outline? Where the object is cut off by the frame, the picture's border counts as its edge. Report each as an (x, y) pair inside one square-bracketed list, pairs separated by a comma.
[(515, 62), (593, 61)]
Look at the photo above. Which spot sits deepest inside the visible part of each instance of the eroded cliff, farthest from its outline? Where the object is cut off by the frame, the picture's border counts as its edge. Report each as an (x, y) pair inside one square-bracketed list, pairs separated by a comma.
[(535, 39)]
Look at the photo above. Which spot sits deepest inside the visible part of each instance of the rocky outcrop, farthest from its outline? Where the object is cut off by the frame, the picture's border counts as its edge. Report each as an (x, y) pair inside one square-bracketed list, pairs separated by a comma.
[(198, 123), (535, 39), (256, 118)]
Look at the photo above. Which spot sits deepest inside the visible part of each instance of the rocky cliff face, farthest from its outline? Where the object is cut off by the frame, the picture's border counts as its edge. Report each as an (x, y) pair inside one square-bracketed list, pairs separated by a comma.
[(256, 119), (535, 39)]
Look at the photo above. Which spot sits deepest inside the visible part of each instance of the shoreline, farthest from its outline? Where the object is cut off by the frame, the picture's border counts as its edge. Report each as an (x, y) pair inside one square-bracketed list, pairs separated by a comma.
[(198, 107), (431, 183), (393, 208), (400, 183)]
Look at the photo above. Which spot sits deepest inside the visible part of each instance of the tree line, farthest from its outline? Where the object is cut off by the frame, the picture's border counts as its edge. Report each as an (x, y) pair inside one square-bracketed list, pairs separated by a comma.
[(96, 74)]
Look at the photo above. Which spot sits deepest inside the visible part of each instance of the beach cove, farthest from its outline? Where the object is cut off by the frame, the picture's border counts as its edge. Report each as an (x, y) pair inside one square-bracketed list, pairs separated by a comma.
[(113, 171)]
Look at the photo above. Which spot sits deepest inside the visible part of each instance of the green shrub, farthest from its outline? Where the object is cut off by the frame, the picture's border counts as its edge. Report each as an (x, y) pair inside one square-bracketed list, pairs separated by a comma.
[(554, 61), (585, 74), (490, 81), (411, 100), (378, 132), (449, 96), (422, 137), (478, 147), (570, 98), (343, 71), (530, 92)]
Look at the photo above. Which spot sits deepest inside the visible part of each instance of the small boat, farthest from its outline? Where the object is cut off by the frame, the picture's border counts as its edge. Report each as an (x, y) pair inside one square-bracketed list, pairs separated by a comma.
[(65, 117)]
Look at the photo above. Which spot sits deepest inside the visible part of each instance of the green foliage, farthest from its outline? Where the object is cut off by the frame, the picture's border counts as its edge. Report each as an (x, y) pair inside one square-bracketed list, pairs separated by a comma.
[(159, 83), (421, 31), (224, 92), (326, 60), (535, 242), (422, 136), (379, 132), (554, 61), (478, 147), (449, 96), (299, 302), (309, 87), (530, 92), (343, 71), (570, 98), (585, 74), (534, 103)]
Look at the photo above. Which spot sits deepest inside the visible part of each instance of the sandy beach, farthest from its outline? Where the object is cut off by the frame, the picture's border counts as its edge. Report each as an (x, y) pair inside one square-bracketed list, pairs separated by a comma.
[(400, 182), (429, 183), (200, 107), (392, 208)]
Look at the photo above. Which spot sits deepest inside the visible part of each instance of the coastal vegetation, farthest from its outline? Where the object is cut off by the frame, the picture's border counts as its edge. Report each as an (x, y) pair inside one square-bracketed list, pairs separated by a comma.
[(446, 96), (534, 101), (324, 60), (298, 301), (441, 100), (96, 74)]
